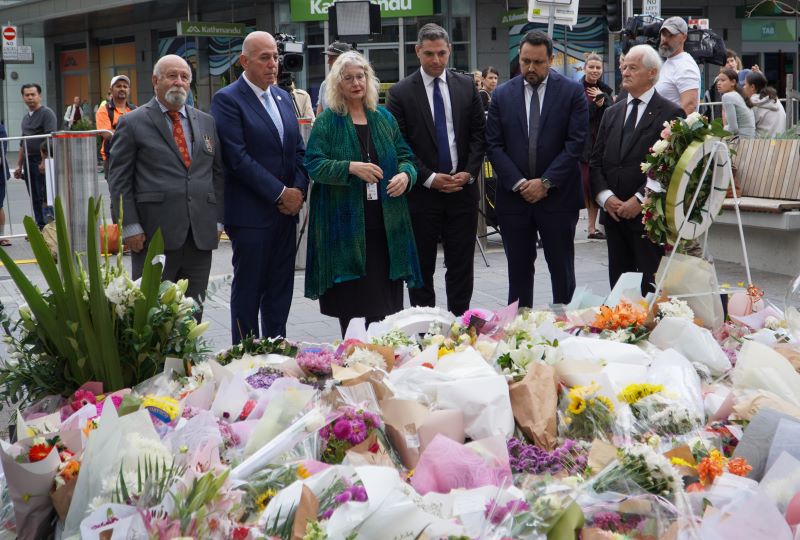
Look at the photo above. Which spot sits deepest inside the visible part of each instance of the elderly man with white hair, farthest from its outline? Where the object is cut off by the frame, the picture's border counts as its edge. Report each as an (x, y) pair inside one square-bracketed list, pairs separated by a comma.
[(165, 165), (627, 132)]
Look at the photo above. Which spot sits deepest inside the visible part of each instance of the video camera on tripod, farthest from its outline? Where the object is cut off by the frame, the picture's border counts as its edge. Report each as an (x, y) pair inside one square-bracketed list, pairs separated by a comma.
[(290, 59), (703, 45)]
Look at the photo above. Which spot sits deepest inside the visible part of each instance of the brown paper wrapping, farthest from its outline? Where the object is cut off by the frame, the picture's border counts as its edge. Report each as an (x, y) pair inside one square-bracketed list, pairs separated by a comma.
[(534, 401), (363, 454), (307, 511), (62, 497), (601, 454), (410, 427), (790, 353), (384, 350), (748, 406), (682, 452), (351, 376)]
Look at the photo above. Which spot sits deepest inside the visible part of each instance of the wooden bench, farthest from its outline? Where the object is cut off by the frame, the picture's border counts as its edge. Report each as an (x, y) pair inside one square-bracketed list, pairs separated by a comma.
[(768, 173)]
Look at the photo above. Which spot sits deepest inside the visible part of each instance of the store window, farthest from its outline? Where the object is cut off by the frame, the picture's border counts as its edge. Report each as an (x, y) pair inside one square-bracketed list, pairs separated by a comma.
[(117, 57)]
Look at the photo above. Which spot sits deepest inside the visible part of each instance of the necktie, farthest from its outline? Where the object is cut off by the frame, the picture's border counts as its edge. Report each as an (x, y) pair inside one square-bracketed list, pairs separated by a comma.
[(440, 121), (533, 130), (180, 138), (273, 113), (630, 126)]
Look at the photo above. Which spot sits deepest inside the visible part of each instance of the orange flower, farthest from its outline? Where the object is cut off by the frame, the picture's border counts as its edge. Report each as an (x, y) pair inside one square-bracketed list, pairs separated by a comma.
[(711, 466), (623, 315), (38, 452), (70, 470), (739, 466)]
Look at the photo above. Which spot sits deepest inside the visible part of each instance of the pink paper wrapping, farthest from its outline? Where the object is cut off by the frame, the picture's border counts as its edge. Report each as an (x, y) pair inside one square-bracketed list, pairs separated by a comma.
[(446, 465)]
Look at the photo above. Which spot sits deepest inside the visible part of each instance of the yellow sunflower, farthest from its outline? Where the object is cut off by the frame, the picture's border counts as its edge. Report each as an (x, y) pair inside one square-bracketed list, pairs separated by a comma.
[(607, 402), (576, 405), (263, 500)]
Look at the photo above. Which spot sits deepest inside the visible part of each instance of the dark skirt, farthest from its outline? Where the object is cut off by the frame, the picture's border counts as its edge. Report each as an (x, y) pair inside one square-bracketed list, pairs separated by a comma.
[(374, 295)]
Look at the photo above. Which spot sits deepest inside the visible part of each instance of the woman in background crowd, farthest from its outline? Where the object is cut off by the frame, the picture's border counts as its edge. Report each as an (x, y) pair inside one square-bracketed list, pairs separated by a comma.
[(490, 79), (736, 115), (598, 94), (763, 100)]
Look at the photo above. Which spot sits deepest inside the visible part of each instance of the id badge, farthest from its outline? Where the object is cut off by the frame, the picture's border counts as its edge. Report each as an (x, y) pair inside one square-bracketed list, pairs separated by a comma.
[(372, 192)]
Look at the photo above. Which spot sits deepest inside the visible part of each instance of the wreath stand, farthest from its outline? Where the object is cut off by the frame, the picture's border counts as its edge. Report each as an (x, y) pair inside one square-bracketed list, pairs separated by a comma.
[(678, 220)]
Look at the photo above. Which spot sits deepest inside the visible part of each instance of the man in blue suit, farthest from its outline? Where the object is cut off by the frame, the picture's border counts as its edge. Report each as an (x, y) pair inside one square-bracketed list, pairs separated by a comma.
[(265, 187), (535, 133)]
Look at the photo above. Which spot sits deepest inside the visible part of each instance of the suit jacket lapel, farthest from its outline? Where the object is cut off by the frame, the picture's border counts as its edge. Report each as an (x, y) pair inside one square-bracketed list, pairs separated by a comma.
[(455, 101), (615, 133), (196, 136), (519, 97), (652, 110), (159, 122), (258, 107), (550, 93), (421, 95)]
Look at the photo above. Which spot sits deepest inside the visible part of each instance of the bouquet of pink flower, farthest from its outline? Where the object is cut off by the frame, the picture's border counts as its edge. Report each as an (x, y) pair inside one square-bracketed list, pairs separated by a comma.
[(317, 362), (349, 430)]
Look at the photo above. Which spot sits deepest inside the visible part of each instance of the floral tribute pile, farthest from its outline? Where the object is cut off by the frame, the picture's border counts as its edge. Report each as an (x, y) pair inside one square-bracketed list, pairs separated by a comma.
[(508, 424)]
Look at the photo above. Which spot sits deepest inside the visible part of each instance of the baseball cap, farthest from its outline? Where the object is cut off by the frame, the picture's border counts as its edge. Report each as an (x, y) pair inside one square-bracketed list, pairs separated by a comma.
[(675, 25), (336, 48), (119, 78)]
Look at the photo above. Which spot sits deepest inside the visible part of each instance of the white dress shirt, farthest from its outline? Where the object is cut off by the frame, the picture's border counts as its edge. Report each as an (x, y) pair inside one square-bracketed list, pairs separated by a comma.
[(645, 98), (528, 95), (427, 80), (259, 92)]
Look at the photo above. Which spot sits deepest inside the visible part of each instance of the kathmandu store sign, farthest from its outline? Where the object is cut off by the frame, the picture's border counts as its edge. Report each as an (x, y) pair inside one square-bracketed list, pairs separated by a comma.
[(317, 10)]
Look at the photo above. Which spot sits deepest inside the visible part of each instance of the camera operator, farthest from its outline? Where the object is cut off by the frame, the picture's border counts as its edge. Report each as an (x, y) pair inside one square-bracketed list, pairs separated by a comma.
[(679, 80)]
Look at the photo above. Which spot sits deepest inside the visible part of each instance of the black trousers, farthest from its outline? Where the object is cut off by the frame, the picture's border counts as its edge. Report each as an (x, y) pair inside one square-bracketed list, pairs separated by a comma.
[(186, 262), (629, 250), (456, 225), (557, 232)]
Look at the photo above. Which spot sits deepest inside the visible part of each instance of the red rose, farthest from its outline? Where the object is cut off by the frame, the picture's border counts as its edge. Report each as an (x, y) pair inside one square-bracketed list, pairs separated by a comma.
[(374, 447)]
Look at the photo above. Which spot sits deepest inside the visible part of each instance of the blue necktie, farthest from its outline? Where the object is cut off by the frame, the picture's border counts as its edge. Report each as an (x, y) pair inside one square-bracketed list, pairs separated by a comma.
[(273, 113), (533, 130), (440, 121)]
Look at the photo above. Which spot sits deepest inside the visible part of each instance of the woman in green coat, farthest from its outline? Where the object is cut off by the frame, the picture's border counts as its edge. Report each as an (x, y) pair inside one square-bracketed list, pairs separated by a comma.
[(360, 245)]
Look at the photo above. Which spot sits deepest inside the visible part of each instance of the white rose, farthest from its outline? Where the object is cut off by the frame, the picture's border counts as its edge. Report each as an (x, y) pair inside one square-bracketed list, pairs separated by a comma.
[(660, 146), (694, 118), (645, 166)]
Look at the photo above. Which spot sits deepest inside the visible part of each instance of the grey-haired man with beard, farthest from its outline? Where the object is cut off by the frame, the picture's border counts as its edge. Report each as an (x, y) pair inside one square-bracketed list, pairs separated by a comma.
[(166, 166)]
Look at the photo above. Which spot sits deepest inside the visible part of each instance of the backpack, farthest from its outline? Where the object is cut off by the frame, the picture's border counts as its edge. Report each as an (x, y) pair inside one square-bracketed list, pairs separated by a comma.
[(111, 110)]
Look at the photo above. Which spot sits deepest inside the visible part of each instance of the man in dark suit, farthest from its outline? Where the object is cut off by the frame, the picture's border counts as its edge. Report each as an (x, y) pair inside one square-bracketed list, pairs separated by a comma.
[(627, 132), (263, 151), (441, 116), (535, 133), (165, 164)]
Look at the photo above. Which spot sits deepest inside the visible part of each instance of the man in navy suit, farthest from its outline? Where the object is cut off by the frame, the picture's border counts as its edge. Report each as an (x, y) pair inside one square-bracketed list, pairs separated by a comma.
[(535, 133), (265, 187)]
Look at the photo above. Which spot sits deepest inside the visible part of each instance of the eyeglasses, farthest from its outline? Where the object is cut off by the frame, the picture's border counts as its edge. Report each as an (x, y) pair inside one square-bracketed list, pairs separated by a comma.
[(350, 79)]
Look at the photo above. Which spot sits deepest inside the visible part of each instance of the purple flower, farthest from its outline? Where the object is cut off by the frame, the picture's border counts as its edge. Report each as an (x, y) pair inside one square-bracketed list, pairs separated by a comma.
[(358, 433), (343, 497), (264, 377), (342, 429), (609, 521)]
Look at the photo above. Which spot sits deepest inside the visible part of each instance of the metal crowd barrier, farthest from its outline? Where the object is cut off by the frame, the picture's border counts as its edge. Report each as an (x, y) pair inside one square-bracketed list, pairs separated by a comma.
[(73, 179)]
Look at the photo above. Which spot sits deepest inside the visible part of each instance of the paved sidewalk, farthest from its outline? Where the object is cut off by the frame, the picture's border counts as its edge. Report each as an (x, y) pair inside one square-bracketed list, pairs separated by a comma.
[(491, 287)]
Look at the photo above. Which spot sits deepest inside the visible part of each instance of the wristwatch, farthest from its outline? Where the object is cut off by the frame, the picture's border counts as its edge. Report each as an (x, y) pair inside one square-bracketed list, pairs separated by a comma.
[(471, 179), (547, 184)]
